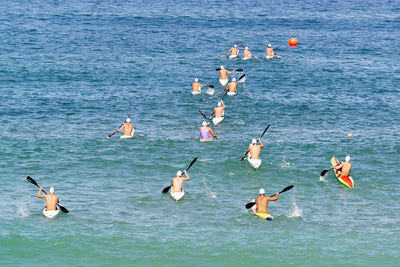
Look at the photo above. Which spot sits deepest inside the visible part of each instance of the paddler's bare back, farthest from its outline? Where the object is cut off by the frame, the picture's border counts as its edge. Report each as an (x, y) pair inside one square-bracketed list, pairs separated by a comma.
[(128, 128), (223, 74), (346, 169), (255, 151), (270, 52), (177, 184), (218, 111), (262, 204), (51, 202), (232, 86)]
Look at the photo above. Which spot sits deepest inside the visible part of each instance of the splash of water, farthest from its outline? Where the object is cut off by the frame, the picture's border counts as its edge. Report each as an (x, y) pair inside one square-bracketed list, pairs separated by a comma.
[(284, 163), (294, 210), (210, 193), (322, 179), (23, 210)]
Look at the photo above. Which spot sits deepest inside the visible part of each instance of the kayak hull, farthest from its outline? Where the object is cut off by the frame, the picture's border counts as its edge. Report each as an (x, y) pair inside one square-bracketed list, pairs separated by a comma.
[(128, 136), (177, 195), (50, 214), (233, 56), (223, 82), (264, 216), (255, 163), (345, 180), (217, 120), (231, 93)]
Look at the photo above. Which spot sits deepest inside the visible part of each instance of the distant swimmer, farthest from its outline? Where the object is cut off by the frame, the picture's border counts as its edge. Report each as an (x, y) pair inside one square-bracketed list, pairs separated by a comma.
[(127, 127), (51, 199), (262, 201), (232, 86), (247, 54), (344, 168), (177, 181), (234, 52), (223, 80), (206, 132), (196, 87), (219, 110), (270, 52), (255, 149)]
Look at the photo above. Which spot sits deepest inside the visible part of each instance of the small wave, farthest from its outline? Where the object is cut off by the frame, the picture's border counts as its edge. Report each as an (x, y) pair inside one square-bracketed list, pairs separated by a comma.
[(23, 210), (238, 122), (381, 187), (295, 210), (210, 193), (284, 164), (322, 179)]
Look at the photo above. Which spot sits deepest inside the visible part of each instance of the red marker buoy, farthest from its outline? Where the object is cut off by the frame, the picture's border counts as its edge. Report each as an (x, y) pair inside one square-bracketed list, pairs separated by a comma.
[(293, 41)]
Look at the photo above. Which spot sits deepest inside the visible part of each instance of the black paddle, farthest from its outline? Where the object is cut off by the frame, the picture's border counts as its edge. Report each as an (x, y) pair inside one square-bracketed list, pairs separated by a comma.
[(165, 190), (266, 129), (241, 77), (251, 204), (239, 70), (202, 114), (30, 179), (226, 91)]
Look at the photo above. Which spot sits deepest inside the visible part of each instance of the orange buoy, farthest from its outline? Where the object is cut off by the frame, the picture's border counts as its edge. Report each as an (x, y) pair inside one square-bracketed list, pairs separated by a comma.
[(293, 41)]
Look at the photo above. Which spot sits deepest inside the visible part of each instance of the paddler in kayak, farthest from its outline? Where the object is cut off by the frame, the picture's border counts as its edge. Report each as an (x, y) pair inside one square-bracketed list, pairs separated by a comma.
[(219, 110), (126, 126), (270, 52), (196, 86), (232, 86), (206, 132), (223, 80), (51, 199), (177, 181), (246, 53), (234, 52), (262, 201), (344, 168), (255, 149)]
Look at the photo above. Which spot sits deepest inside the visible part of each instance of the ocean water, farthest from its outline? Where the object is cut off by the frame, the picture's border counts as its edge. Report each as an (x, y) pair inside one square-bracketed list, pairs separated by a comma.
[(71, 71)]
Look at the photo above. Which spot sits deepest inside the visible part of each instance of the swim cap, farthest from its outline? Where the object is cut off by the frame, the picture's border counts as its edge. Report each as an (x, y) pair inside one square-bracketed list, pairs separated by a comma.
[(235, 46), (219, 104), (179, 173), (204, 123), (234, 80), (222, 67), (254, 141), (51, 190), (196, 80), (246, 48), (261, 192), (269, 45), (128, 119), (347, 158)]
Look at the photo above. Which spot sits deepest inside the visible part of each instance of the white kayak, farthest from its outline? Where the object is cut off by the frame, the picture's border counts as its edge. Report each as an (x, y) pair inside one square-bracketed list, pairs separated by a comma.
[(177, 195), (50, 213), (231, 93), (197, 93), (233, 56), (217, 120), (255, 163), (128, 136), (246, 58), (223, 82)]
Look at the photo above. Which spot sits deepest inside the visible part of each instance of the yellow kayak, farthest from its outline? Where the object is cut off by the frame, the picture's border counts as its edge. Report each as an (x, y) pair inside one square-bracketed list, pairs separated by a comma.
[(264, 216)]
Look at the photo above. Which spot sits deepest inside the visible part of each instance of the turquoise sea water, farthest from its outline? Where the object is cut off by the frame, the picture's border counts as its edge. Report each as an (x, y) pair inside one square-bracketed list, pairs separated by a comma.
[(70, 73)]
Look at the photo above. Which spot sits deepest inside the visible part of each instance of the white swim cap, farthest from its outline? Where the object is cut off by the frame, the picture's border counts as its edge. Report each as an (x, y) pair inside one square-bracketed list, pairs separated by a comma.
[(51, 190), (219, 104), (204, 123), (246, 48), (222, 67), (261, 192), (178, 173), (234, 80), (196, 80), (254, 141), (269, 45), (235, 46), (347, 158), (128, 119)]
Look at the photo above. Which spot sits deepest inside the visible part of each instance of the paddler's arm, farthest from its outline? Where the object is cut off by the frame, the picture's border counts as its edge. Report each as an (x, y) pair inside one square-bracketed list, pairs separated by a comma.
[(228, 51), (213, 134), (122, 127), (247, 151), (259, 140), (223, 104), (230, 72), (338, 166), (39, 195), (187, 178), (226, 87), (275, 197), (202, 85)]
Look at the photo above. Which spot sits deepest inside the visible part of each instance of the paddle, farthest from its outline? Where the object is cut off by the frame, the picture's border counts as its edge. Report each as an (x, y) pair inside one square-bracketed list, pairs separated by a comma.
[(202, 114), (325, 171), (239, 70), (266, 129), (165, 190), (226, 91), (241, 77), (251, 204), (30, 179)]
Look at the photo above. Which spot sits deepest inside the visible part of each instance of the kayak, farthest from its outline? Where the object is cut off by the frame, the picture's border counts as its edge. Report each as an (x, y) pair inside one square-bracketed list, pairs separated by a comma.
[(246, 58), (196, 93), (177, 195), (346, 180), (264, 216), (223, 82), (127, 136), (231, 93), (217, 120), (233, 56), (255, 163), (50, 213)]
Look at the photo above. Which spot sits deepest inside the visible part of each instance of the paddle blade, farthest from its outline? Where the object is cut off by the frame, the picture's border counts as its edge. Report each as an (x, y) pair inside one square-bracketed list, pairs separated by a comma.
[(63, 209), (241, 77), (217, 69), (250, 205), (211, 86), (239, 70), (202, 114), (30, 179), (191, 163), (287, 188), (165, 190), (324, 172)]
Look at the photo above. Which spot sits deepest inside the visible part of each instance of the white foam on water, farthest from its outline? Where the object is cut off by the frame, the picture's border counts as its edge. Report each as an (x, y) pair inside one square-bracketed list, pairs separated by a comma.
[(23, 210), (210, 193), (322, 179), (294, 211), (284, 164)]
